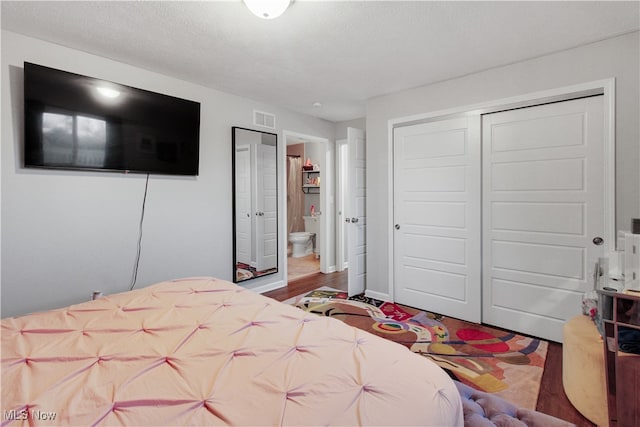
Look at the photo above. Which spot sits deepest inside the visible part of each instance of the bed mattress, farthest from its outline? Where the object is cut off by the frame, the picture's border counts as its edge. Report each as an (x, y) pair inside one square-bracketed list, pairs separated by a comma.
[(204, 351)]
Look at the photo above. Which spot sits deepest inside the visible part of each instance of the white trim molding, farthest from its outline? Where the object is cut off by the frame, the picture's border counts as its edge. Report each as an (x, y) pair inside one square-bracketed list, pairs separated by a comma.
[(378, 295), (268, 287)]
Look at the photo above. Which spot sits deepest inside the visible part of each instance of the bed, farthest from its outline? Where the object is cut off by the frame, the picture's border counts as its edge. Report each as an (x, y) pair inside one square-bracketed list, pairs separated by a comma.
[(204, 351)]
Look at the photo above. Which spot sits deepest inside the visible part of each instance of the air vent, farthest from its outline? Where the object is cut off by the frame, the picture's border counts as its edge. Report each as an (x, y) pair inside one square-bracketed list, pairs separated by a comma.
[(267, 120)]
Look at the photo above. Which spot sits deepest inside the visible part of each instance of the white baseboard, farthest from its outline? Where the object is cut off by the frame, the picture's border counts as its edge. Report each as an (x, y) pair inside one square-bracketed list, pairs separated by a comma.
[(378, 295), (268, 287)]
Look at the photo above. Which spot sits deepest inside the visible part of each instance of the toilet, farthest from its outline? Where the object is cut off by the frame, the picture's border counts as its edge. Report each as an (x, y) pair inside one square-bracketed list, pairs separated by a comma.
[(300, 241), (303, 241)]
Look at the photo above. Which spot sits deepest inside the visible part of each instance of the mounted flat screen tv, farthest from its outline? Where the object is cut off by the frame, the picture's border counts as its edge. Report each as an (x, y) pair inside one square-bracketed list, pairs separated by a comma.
[(83, 123)]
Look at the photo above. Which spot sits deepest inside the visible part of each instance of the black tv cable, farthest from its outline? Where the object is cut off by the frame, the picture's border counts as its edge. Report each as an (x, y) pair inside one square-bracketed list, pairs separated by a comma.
[(134, 278)]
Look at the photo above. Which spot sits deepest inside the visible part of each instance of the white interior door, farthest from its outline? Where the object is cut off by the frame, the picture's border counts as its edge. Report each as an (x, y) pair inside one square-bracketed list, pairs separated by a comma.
[(543, 204), (266, 208), (355, 217), (243, 203), (342, 155), (437, 217)]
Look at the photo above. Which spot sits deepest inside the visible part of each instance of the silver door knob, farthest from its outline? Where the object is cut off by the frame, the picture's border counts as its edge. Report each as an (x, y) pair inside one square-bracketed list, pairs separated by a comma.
[(598, 241), (354, 220), (397, 226)]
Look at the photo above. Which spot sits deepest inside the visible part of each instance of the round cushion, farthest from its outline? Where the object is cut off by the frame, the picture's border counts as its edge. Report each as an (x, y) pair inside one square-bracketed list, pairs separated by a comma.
[(583, 376)]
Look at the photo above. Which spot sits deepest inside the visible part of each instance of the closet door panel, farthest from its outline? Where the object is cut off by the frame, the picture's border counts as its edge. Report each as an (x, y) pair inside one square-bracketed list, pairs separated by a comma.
[(543, 203), (436, 217), (433, 179), (538, 217), (545, 259), (436, 214), (552, 131), (538, 175), (525, 298), (442, 284)]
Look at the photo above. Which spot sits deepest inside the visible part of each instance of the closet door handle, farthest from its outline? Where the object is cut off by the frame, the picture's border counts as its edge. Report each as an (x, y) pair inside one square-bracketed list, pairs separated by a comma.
[(598, 241), (354, 220), (397, 226)]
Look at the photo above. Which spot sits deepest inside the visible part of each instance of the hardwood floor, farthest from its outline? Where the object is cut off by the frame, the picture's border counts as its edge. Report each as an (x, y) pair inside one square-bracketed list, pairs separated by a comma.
[(308, 283), (551, 398)]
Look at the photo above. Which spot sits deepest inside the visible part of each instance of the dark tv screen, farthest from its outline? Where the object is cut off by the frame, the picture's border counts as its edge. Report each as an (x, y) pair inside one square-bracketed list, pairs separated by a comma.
[(83, 123)]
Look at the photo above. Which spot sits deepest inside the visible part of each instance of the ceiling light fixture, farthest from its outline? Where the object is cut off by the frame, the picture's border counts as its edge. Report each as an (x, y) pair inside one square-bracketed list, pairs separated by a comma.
[(267, 9)]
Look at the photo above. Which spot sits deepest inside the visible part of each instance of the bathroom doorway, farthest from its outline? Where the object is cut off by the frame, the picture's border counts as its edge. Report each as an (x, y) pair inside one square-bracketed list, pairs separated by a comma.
[(308, 171)]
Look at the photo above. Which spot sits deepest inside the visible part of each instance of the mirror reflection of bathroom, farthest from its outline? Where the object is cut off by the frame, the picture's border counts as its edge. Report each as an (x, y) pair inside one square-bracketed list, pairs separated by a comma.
[(304, 180)]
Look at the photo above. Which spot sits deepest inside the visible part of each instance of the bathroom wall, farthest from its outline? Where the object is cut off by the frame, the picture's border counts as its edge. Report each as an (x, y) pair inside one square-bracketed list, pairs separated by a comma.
[(315, 152), (295, 150)]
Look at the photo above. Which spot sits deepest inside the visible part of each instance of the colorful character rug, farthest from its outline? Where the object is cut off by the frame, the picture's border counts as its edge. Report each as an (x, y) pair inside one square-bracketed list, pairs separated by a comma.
[(491, 360)]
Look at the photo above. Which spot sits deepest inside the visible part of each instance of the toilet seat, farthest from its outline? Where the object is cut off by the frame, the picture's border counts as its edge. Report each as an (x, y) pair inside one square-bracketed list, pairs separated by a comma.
[(299, 235)]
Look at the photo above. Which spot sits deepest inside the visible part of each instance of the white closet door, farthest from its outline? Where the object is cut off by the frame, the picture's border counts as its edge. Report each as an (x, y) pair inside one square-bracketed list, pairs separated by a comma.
[(437, 217), (266, 218), (543, 204)]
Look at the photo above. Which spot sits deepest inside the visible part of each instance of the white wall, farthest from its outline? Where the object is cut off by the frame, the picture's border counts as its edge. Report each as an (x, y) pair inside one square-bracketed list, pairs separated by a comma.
[(617, 57), (341, 127), (66, 233)]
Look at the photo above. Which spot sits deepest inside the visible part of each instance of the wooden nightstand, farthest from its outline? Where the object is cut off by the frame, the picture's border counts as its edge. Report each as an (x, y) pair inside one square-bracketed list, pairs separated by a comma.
[(620, 313)]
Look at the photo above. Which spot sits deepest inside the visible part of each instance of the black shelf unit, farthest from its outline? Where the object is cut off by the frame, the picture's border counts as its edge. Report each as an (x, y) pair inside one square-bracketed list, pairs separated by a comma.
[(310, 188)]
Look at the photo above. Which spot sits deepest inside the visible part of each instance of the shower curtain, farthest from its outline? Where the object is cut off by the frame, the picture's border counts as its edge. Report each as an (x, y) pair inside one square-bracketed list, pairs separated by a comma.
[(295, 202)]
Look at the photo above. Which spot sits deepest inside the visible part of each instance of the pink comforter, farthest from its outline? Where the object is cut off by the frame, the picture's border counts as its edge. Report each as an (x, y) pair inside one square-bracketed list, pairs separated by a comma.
[(208, 352)]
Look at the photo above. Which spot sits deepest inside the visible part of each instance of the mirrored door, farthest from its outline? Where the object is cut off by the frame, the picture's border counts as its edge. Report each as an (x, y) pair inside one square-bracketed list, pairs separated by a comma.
[(255, 204)]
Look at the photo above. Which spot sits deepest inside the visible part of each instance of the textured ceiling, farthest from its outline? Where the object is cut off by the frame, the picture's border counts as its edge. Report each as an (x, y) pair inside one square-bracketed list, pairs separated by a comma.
[(336, 53)]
